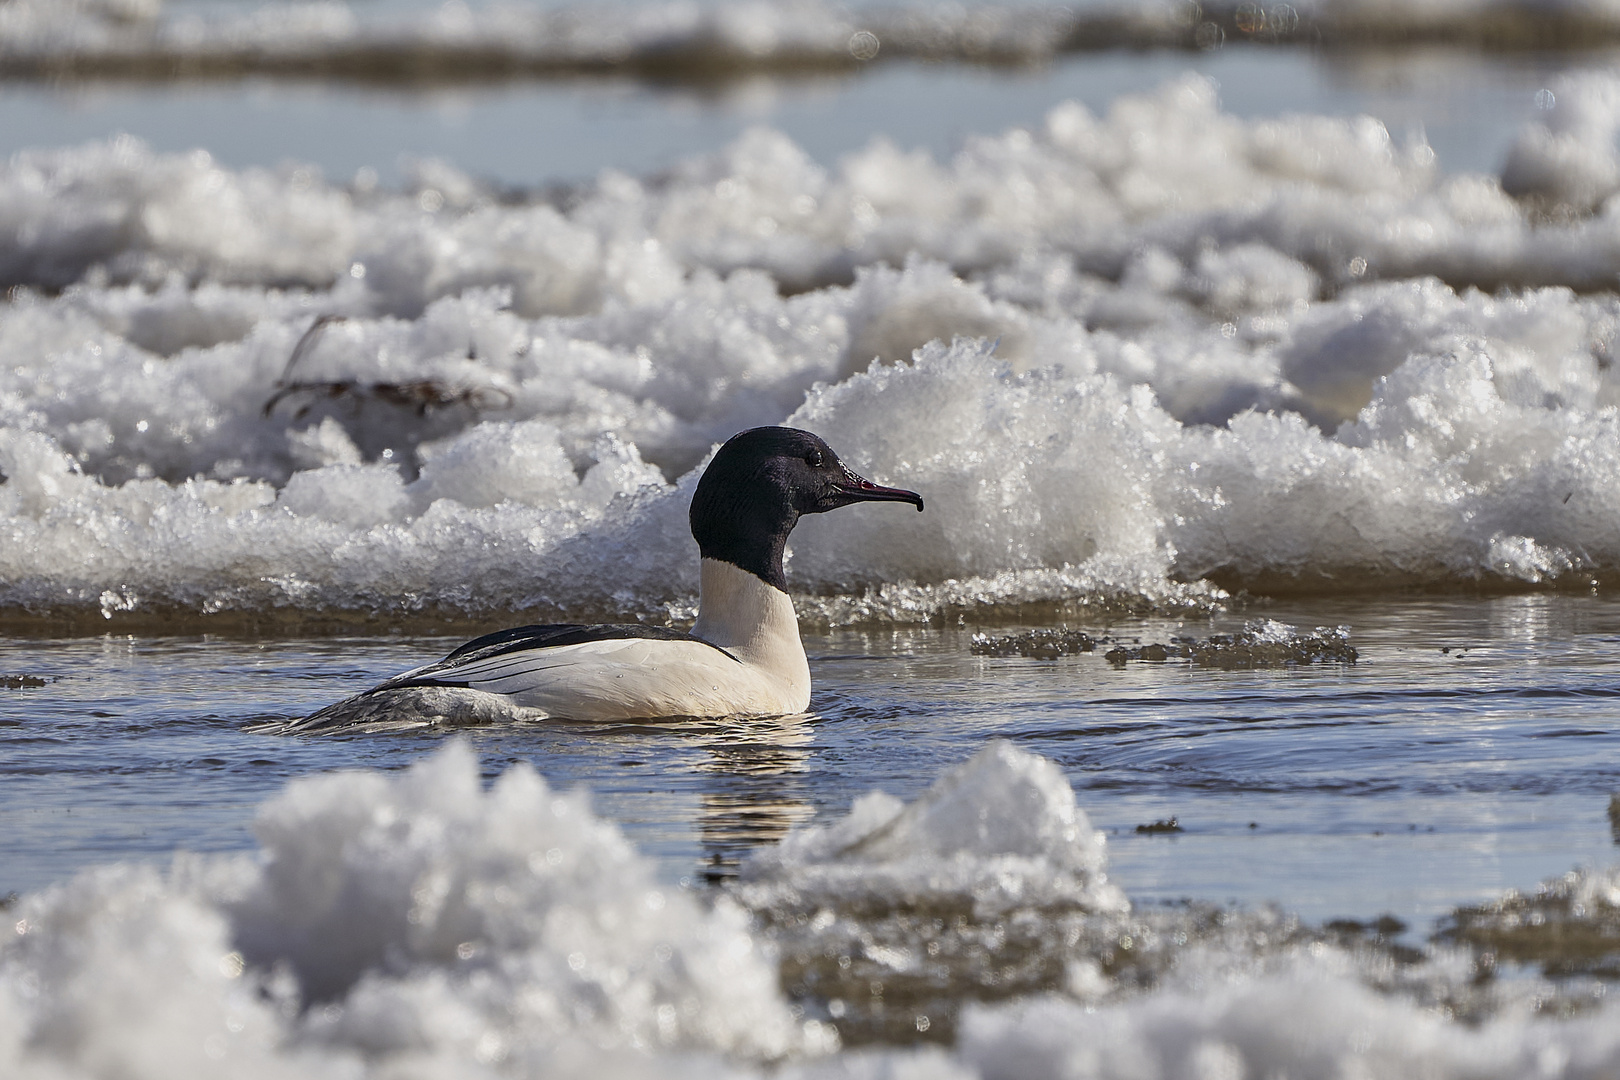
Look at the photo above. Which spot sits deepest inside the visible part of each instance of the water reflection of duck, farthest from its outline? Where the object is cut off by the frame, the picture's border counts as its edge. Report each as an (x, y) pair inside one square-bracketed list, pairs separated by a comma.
[(743, 657), (750, 775), (755, 791), (752, 786)]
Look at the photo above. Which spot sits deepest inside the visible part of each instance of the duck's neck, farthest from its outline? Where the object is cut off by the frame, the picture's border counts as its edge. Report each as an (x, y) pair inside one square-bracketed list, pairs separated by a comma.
[(755, 621)]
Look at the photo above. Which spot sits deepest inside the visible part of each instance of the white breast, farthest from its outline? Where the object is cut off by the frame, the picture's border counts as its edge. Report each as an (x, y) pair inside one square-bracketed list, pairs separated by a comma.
[(761, 672), (755, 623)]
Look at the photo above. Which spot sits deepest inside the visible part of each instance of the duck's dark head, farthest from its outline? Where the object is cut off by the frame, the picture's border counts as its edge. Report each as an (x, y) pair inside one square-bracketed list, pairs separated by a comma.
[(757, 487)]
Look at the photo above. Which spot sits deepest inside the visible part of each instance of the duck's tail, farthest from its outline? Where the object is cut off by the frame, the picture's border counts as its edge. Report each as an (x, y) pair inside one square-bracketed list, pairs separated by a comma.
[(403, 709)]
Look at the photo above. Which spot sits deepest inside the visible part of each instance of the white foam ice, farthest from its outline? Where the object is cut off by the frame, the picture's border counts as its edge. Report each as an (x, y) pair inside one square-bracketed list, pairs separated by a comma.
[(1000, 831), (400, 925), (1261, 998), (1165, 170), (1569, 156), (1312, 1019), (419, 923), (1137, 357)]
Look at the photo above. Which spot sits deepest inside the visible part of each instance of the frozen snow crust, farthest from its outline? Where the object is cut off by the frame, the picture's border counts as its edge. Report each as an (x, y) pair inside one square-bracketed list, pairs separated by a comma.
[(421, 924), (1138, 358)]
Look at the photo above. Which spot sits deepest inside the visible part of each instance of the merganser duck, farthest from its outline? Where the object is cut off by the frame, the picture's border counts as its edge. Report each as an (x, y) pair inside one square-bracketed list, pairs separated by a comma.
[(742, 657)]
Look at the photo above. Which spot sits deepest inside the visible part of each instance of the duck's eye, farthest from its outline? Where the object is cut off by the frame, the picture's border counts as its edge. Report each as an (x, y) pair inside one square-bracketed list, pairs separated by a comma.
[(814, 459)]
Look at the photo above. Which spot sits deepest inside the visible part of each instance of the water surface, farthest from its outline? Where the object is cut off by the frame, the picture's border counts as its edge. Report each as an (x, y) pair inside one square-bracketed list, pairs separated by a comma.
[(526, 133), (1471, 749)]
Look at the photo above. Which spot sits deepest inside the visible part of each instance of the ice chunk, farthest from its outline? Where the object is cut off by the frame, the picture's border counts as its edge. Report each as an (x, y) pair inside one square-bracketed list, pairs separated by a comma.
[(534, 469), (1000, 831), (402, 923), (1043, 469), (537, 913), (1309, 1019), (1569, 156), (358, 496)]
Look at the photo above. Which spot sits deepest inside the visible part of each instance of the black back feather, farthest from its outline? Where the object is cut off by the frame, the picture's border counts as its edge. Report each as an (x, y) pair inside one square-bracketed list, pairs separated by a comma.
[(531, 638)]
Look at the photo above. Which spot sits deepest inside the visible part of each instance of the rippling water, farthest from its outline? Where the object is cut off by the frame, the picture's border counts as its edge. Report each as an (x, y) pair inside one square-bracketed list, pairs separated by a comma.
[(1472, 748)]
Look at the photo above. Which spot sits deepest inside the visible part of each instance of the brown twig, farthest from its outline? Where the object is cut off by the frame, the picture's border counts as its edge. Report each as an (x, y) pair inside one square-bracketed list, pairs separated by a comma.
[(418, 394)]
